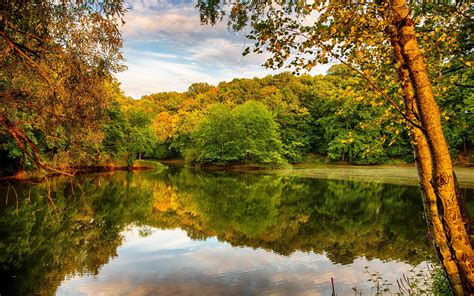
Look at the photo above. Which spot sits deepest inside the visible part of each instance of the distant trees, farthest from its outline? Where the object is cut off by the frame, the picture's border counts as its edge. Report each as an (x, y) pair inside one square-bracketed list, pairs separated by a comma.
[(334, 116), (349, 124), (128, 135), (330, 115), (245, 134)]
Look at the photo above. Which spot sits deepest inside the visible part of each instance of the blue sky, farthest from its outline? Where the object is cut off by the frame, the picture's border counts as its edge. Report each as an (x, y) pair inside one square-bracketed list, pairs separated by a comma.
[(166, 49)]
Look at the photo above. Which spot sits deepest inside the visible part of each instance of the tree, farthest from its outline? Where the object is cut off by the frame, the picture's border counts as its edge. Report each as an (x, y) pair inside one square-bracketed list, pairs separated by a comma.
[(246, 134), (199, 88), (367, 36), (128, 135), (55, 59), (349, 124)]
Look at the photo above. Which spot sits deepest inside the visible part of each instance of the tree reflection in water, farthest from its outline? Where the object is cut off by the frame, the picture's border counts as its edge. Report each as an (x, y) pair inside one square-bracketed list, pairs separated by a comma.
[(42, 243)]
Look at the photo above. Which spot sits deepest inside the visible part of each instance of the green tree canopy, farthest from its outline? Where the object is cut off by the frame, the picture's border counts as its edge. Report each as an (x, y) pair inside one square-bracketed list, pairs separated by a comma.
[(246, 134)]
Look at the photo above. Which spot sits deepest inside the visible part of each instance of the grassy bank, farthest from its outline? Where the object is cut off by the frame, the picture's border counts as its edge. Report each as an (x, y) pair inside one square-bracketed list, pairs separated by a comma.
[(393, 174), (401, 174)]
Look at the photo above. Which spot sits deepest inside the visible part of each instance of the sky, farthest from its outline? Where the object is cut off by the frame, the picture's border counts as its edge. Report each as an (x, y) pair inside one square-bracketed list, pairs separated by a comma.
[(167, 49)]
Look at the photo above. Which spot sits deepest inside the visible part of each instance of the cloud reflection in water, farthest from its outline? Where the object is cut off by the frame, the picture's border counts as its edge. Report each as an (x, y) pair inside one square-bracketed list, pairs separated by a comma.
[(167, 262)]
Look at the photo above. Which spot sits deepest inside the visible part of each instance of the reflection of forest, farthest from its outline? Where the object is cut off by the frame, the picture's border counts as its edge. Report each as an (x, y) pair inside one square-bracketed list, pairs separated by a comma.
[(76, 231), (43, 242), (285, 214)]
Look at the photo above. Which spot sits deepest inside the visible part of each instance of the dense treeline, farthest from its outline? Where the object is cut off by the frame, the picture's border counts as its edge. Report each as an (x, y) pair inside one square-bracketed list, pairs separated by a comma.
[(286, 118), (272, 120), (334, 116)]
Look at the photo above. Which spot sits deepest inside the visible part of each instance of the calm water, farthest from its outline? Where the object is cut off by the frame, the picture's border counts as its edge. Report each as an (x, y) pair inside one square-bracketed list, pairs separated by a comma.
[(207, 233)]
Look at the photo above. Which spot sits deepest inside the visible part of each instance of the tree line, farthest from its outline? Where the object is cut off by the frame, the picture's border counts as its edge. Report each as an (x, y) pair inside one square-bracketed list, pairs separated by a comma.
[(273, 120)]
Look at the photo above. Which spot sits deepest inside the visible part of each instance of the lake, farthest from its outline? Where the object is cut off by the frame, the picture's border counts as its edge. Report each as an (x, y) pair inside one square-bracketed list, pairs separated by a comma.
[(196, 232)]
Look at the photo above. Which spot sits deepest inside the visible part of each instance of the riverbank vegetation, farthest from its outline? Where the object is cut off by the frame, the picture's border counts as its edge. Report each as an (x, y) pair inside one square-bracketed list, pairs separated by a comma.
[(272, 120), (62, 109)]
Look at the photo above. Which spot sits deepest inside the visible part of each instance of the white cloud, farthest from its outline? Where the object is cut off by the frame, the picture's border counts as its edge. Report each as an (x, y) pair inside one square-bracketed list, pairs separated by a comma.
[(167, 49), (178, 25), (223, 52), (143, 6), (147, 75)]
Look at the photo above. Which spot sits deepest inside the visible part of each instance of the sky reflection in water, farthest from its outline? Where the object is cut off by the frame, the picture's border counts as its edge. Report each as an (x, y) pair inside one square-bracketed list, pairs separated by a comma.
[(169, 262)]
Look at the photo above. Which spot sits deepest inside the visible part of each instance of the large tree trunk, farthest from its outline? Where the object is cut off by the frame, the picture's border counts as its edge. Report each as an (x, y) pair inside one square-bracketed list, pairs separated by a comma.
[(444, 180), (424, 165)]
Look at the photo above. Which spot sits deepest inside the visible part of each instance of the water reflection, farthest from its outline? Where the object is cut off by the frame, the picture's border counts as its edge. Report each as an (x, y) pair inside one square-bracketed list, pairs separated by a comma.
[(167, 262), (293, 234)]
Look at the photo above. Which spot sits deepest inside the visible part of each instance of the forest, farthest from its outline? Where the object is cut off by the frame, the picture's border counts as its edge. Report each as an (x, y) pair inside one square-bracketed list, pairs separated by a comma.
[(271, 121), (399, 91)]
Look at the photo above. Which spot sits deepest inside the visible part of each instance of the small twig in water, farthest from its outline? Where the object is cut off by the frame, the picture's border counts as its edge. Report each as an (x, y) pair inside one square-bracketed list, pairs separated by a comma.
[(8, 192), (16, 194)]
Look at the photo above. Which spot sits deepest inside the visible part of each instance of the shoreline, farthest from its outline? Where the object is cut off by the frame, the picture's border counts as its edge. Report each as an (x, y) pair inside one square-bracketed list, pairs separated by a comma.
[(398, 174), (401, 174), (24, 176)]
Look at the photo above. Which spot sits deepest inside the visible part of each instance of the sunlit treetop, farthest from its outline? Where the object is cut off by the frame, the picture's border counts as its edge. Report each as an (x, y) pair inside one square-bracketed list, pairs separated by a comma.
[(302, 34)]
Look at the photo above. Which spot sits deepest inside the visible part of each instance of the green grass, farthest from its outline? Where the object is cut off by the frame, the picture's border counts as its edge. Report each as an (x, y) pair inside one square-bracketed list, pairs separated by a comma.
[(440, 285), (394, 174), (427, 281), (156, 165)]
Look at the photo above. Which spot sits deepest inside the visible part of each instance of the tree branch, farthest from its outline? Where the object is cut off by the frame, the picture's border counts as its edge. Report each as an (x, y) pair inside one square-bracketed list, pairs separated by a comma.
[(369, 81), (25, 56)]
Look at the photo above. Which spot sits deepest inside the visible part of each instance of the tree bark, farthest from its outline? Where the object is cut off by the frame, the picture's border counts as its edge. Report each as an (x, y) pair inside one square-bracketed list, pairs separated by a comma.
[(424, 166), (444, 180)]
